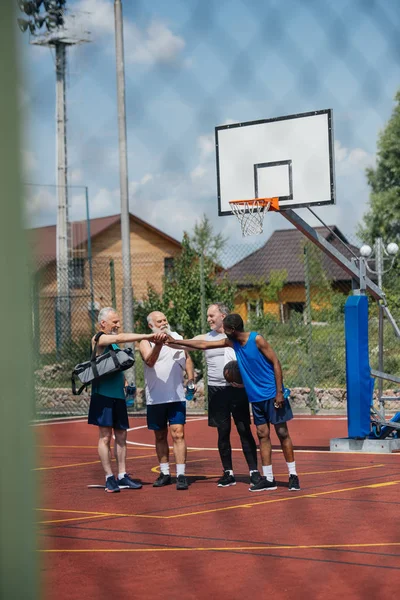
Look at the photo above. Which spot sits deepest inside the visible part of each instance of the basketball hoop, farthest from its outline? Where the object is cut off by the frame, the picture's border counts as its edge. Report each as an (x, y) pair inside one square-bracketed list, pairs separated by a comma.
[(250, 213)]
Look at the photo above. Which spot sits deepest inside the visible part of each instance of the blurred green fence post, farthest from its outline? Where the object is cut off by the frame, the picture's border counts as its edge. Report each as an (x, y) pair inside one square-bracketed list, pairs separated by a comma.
[(18, 558), (112, 285)]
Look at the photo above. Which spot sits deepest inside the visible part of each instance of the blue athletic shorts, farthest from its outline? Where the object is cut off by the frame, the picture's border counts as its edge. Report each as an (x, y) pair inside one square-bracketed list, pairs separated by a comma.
[(159, 415), (265, 412), (108, 412)]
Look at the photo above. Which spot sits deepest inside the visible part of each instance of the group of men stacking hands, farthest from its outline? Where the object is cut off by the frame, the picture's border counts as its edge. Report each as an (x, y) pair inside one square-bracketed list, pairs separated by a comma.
[(166, 359)]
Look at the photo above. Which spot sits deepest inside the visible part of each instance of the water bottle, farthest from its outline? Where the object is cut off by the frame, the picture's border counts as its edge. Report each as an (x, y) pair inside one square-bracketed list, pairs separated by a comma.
[(130, 393), (189, 390), (286, 393)]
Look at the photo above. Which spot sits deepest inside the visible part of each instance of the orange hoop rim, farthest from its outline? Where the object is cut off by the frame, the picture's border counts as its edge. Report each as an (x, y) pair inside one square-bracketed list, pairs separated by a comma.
[(272, 202)]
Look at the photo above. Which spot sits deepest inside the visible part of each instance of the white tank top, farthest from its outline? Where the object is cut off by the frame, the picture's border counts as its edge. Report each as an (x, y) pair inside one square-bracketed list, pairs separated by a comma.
[(164, 381), (215, 360)]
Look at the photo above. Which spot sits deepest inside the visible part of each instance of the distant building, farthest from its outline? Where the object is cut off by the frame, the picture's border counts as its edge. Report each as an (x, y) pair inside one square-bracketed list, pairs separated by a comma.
[(153, 254), (284, 252)]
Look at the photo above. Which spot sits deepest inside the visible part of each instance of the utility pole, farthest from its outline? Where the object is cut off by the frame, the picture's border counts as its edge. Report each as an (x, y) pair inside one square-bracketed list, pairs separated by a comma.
[(127, 291)]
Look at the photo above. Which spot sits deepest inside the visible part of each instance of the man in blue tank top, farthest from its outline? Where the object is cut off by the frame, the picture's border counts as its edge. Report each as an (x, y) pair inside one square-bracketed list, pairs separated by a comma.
[(107, 408), (262, 378), (226, 402)]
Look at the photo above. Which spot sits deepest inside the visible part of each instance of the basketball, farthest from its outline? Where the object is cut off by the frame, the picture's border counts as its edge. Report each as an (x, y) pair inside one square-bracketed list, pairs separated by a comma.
[(232, 372)]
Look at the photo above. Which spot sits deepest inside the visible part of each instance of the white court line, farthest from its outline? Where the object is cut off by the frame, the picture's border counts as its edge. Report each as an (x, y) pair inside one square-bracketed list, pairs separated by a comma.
[(83, 420)]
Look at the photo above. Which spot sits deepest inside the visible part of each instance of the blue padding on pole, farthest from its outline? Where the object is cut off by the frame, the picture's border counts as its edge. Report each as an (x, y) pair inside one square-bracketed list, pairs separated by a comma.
[(359, 382)]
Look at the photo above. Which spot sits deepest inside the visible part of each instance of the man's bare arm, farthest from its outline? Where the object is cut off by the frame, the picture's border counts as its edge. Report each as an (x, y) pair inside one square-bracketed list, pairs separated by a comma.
[(126, 338), (189, 367), (176, 346), (197, 344), (150, 353), (266, 349)]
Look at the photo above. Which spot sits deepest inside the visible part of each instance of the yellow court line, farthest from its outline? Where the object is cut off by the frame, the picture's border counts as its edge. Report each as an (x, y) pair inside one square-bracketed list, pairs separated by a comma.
[(294, 496), (93, 462), (209, 475), (285, 499), (232, 548), (156, 469)]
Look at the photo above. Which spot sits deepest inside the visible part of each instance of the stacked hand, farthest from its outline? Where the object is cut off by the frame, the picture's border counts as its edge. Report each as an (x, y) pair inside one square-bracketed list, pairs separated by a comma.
[(158, 338)]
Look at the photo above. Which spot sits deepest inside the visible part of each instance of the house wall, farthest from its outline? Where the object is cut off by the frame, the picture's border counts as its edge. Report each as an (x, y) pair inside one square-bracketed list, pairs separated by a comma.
[(290, 293), (148, 250)]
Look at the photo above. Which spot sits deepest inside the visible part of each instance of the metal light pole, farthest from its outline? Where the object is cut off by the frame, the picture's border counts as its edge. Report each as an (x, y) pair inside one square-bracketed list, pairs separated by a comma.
[(127, 291), (51, 15), (63, 245)]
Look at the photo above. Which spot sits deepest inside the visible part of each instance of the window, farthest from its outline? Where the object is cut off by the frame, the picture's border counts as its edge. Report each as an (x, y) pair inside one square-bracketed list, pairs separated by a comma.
[(77, 273), (291, 309), (168, 267), (255, 308)]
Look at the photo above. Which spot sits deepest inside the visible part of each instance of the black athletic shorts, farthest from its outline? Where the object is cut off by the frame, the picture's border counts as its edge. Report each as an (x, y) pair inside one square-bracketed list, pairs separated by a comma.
[(108, 412), (224, 401)]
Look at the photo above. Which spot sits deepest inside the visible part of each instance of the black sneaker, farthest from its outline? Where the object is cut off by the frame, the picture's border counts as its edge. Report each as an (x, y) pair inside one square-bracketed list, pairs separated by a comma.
[(255, 478), (126, 483), (162, 480), (294, 484), (182, 483), (111, 485), (263, 485), (226, 480)]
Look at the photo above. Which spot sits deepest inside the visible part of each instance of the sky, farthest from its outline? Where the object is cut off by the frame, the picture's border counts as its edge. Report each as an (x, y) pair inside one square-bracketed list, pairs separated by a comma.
[(192, 65)]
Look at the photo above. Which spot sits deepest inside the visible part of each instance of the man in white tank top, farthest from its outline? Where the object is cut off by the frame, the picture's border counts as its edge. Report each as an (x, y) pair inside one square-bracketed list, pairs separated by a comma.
[(164, 368), (225, 401)]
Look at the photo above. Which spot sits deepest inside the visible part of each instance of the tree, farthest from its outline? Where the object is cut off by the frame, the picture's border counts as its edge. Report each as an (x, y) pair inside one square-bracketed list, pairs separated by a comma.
[(183, 295), (383, 217)]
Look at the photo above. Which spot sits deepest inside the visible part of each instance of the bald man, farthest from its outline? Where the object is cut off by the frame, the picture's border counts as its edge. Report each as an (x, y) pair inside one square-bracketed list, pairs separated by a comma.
[(164, 368)]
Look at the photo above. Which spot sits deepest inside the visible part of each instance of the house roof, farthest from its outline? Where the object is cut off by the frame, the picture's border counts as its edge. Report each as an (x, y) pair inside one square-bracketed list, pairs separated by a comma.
[(44, 241), (284, 250)]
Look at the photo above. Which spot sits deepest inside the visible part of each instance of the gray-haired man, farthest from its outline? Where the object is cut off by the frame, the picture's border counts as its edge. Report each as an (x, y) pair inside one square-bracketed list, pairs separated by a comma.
[(225, 401), (107, 408)]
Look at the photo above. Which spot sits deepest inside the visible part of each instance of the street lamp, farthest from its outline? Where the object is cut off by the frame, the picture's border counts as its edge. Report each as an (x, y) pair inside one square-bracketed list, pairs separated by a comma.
[(379, 251)]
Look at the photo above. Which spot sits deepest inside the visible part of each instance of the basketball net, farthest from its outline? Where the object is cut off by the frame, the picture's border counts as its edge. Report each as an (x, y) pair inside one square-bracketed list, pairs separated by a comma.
[(250, 213)]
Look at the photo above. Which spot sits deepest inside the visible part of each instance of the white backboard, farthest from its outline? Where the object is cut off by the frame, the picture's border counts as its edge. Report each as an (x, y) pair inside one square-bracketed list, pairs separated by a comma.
[(287, 157)]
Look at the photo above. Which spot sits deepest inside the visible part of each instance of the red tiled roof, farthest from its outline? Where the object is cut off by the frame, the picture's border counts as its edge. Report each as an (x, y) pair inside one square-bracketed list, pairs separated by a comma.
[(43, 240), (284, 250)]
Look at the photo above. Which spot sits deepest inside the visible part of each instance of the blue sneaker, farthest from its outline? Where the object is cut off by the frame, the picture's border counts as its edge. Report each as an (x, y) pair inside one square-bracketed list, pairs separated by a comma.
[(127, 483), (111, 485)]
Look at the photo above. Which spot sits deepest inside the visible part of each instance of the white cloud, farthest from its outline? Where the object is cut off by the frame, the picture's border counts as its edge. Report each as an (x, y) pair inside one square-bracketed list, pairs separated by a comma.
[(75, 176), (206, 143), (29, 162), (198, 172), (351, 158), (155, 44), (40, 206), (146, 178)]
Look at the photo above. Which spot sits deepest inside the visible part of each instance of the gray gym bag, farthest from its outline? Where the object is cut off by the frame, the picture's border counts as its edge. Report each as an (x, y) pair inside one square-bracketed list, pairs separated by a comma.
[(104, 364)]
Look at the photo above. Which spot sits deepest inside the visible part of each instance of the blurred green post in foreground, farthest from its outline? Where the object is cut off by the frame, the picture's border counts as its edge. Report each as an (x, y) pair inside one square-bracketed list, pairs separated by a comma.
[(18, 557)]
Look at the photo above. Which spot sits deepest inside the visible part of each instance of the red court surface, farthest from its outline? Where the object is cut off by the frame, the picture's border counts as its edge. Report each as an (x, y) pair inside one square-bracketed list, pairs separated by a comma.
[(336, 538)]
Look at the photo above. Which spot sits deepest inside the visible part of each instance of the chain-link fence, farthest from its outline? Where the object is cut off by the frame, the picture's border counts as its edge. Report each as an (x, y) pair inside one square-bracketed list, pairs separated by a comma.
[(287, 289), (192, 66)]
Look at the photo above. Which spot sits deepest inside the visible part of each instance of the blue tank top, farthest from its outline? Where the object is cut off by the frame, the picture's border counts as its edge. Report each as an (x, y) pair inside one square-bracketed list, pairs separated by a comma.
[(111, 385), (256, 370)]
